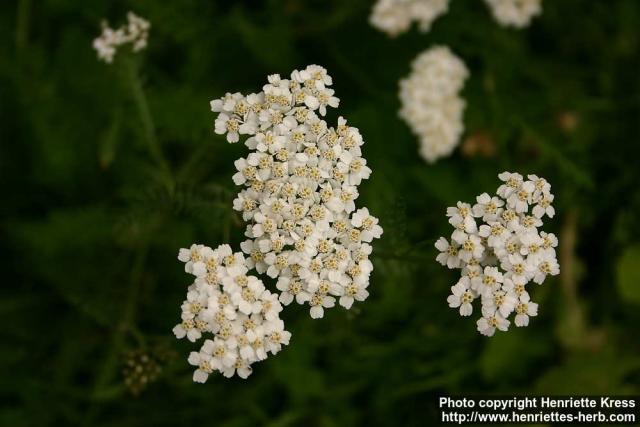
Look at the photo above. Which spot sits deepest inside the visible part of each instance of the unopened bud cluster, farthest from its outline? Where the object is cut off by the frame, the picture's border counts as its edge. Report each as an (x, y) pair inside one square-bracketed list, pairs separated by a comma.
[(140, 369)]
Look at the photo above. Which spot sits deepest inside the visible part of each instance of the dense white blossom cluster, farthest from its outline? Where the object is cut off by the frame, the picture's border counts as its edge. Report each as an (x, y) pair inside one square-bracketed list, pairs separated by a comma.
[(135, 32), (240, 313), (497, 245), (300, 182), (431, 104), (514, 13), (396, 16)]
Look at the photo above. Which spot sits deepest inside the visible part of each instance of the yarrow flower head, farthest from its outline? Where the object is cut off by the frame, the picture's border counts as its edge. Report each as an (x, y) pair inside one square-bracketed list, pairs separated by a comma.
[(431, 104), (234, 308), (396, 16), (300, 183), (135, 32), (499, 249), (514, 13)]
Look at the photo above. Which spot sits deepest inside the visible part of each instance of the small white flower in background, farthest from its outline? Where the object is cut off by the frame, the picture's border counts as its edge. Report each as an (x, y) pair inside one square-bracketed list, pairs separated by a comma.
[(514, 13), (396, 16), (505, 253), (135, 32), (431, 104), (300, 182), (242, 316)]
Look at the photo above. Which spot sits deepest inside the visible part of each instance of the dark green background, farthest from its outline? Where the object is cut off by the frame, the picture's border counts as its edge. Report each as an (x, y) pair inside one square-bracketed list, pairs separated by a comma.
[(89, 232)]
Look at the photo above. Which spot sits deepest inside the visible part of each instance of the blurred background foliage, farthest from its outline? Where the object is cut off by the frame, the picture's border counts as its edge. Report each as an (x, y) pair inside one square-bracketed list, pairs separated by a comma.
[(91, 219)]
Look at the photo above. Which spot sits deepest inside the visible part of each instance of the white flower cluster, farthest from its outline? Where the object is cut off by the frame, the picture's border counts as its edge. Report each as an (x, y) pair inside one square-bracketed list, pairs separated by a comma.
[(395, 16), (503, 254), (301, 181), (431, 104), (135, 33), (514, 13), (242, 315)]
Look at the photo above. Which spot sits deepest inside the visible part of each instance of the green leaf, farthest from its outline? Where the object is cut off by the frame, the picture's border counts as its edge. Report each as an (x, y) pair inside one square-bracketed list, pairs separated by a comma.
[(628, 273)]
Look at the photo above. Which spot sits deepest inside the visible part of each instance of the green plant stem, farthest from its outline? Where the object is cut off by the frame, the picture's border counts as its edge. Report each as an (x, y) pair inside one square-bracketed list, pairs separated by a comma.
[(574, 335), (148, 126), (22, 24), (110, 364)]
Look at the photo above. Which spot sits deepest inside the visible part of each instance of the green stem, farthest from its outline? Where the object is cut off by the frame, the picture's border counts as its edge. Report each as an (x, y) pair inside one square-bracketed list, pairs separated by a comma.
[(110, 363), (575, 328), (147, 123), (22, 24)]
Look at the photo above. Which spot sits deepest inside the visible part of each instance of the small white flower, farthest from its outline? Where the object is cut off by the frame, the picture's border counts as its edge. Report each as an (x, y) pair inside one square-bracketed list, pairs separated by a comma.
[(514, 13), (462, 296), (520, 270), (512, 182), (548, 266), (291, 289), (276, 336), (532, 247), (471, 248), (488, 282), (500, 301), (495, 233), (203, 361), (487, 207), (134, 33), (353, 292), (524, 310), (518, 288), (448, 253), (369, 225), (318, 303), (520, 199), (396, 16), (544, 206), (541, 185), (488, 324)]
